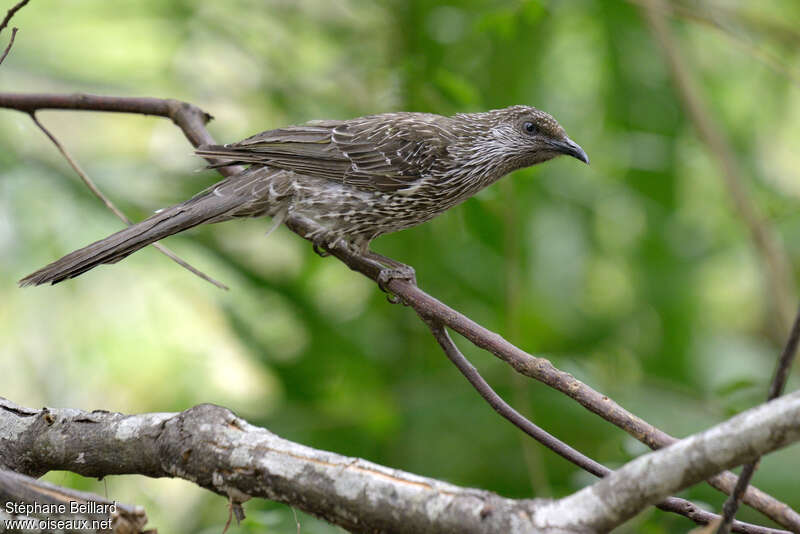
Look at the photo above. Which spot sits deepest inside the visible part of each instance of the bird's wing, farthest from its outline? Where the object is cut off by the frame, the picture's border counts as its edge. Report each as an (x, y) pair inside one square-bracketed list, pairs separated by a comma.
[(378, 153)]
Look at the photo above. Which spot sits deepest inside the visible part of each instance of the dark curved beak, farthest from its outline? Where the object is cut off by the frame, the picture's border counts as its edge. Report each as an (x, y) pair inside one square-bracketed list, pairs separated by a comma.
[(570, 148)]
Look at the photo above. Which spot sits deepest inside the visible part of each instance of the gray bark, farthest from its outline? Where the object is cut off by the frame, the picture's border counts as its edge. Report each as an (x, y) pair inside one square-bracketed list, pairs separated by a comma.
[(213, 448)]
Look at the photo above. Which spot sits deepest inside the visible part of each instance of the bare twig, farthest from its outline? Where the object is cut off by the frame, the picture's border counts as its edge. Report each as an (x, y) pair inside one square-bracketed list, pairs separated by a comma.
[(503, 408), (188, 117), (110, 205), (296, 521), (775, 389), (785, 362), (778, 277), (192, 121), (10, 13), (10, 44)]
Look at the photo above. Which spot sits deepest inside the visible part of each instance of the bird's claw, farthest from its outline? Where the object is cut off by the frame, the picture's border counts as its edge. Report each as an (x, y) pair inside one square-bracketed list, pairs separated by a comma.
[(385, 276), (320, 250)]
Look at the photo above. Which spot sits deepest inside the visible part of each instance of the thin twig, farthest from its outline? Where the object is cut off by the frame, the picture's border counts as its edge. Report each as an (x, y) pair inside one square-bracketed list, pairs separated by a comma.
[(110, 205), (11, 12), (776, 387), (10, 44), (230, 515), (296, 521), (191, 120), (785, 362), (504, 409), (778, 277)]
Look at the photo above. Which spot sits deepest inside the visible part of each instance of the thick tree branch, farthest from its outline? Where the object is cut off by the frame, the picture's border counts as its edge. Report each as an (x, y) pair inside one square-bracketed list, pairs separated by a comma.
[(621, 495), (192, 121), (210, 446)]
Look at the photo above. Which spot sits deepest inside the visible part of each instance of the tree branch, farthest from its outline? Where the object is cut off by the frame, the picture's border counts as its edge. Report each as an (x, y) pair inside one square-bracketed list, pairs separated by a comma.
[(10, 44), (621, 495), (10, 13), (504, 409), (188, 117), (210, 446)]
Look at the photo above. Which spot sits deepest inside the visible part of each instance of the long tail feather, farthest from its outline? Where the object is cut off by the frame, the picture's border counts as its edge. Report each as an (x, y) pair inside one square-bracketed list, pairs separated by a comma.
[(204, 207)]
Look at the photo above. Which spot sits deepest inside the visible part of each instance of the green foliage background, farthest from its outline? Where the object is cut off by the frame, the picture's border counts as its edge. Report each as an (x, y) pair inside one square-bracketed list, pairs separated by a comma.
[(634, 274)]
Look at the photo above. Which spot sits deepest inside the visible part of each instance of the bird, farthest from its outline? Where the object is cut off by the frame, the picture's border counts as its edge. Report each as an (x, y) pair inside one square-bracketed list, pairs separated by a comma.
[(348, 181)]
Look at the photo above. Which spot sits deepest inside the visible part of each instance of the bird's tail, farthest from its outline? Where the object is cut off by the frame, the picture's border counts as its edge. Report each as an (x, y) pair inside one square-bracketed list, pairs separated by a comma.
[(204, 207)]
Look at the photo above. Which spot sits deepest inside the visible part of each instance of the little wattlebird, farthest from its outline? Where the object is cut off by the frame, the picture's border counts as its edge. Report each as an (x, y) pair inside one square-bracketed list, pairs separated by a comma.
[(348, 181)]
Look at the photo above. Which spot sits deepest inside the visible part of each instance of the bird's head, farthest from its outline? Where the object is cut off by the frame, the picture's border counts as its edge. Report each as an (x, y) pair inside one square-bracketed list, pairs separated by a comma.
[(535, 135), (519, 136)]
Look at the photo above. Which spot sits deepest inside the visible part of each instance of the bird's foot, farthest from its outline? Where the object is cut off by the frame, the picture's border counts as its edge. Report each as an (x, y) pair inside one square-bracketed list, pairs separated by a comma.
[(397, 272), (320, 250)]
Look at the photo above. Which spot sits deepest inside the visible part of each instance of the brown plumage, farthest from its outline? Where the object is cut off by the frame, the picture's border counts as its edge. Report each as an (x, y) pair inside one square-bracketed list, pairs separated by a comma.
[(353, 180)]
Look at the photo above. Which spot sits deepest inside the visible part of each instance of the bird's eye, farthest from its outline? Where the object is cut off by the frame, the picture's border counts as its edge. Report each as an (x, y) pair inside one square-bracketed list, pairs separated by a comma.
[(530, 128)]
